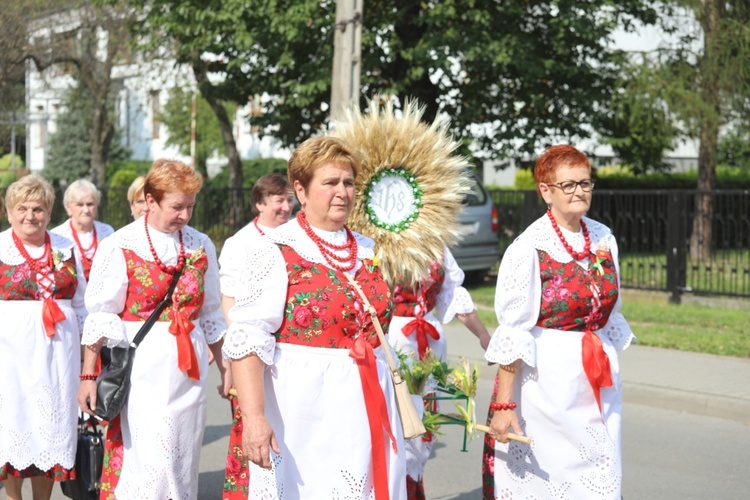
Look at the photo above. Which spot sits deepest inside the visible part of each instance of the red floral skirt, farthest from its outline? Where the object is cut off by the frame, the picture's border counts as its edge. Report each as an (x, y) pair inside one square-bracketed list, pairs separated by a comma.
[(236, 474), (56, 473), (112, 466)]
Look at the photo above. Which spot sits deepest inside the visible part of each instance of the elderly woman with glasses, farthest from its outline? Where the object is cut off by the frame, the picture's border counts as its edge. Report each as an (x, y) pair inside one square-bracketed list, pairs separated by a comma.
[(557, 303)]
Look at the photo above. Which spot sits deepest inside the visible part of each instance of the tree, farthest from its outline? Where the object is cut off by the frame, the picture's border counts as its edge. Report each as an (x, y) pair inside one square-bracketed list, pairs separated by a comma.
[(637, 124), (177, 117), (69, 149), (88, 40), (511, 75), (706, 89)]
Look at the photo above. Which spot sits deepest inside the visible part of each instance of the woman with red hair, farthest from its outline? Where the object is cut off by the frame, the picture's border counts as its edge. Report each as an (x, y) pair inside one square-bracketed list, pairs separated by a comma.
[(153, 446), (557, 303)]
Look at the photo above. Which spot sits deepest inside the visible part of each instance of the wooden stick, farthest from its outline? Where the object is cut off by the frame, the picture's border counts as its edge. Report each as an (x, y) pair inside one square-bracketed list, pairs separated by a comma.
[(511, 436), (233, 392)]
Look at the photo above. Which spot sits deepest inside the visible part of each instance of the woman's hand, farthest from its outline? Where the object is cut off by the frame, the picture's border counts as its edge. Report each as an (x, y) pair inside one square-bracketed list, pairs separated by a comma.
[(258, 439), (501, 424), (87, 396)]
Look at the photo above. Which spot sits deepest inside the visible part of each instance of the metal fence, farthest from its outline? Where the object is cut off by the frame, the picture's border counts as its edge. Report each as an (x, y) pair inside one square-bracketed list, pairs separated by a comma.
[(654, 229)]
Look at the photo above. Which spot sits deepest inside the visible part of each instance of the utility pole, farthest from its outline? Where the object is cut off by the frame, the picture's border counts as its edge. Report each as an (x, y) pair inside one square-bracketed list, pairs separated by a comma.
[(347, 52)]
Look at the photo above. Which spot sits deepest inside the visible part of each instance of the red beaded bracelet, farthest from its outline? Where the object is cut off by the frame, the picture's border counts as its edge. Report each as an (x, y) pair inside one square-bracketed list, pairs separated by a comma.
[(87, 376), (503, 406)]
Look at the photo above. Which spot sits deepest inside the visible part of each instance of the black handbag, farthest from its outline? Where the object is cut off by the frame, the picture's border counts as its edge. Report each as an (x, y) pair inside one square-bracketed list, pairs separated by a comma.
[(113, 383), (89, 457)]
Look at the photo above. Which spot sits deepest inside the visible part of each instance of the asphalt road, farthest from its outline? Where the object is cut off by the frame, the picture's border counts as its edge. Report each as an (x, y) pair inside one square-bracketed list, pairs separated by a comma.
[(667, 455)]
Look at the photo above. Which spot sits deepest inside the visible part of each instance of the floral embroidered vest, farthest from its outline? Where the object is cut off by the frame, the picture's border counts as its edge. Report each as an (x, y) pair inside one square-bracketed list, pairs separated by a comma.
[(568, 292), (19, 283), (323, 311), (407, 297), (147, 286)]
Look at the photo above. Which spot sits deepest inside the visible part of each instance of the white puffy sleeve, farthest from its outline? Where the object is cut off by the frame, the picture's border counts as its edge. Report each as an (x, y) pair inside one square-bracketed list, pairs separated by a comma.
[(617, 329), (259, 305), (105, 296), (229, 270), (517, 302), (453, 297), (211, 318)]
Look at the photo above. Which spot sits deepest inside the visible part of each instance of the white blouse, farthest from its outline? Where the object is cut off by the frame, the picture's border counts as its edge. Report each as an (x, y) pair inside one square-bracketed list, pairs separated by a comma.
[(107, 288), (519, 289), (261, 292), (232, 254), (102, 231), (453, 298)]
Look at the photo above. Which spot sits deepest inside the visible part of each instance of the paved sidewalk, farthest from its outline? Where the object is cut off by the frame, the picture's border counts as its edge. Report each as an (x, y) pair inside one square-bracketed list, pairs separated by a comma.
[(702, 384)]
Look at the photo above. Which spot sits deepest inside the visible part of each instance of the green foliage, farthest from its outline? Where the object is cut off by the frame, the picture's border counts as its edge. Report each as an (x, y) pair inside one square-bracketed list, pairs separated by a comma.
[(623, 178), (252, 171), (509, 74), (5, 161), (177, 116), (638, 125), (524, 180), (69, 149), (122, 179), (734, 150), (139, 167)]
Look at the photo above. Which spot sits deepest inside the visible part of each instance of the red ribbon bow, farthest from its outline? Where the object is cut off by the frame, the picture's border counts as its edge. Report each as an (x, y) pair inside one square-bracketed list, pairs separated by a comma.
[(377, 413), (422, 328), (595, 364), (186, 360), (51, 315)]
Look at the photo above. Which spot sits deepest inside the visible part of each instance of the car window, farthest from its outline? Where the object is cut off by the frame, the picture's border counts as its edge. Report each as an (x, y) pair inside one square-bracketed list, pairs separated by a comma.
[(476, 195)]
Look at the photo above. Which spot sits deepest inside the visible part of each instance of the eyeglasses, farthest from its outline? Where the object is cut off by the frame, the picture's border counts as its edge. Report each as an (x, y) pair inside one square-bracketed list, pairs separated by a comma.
[(569, 187), (139, 202)]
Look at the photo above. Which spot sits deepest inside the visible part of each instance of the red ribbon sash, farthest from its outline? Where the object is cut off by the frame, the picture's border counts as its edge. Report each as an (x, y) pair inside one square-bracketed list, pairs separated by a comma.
[(51, 315), (595, 364), (186, 360), (377, 414), (422, 329)]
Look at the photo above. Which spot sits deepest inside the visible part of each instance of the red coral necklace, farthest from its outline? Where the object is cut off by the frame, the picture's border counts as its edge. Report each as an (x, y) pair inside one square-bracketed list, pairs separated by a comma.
[(326, 248), (255, 221), (84, 251), (165, 268), (587, 245), (43, 265)]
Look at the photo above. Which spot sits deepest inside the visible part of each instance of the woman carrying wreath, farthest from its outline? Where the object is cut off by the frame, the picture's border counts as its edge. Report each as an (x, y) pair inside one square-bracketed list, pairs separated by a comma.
[(81, 201), (41, 302), (318, 406), (558, 303), (414, 186), (152, 448), (271, 200)]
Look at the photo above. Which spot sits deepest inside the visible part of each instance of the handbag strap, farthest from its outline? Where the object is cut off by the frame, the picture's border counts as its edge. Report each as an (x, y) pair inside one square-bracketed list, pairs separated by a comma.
[(154, 317), (378, 328)]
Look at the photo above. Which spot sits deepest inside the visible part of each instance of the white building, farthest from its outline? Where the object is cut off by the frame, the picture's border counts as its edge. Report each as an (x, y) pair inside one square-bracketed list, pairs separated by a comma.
[(141, 90)]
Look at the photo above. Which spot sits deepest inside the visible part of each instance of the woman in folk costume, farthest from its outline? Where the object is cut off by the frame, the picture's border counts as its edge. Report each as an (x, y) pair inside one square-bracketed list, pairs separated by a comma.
[(557, 304), (414, 187), (318, 405), (81, 201), (272, 203), (153, 446), (42, 308)]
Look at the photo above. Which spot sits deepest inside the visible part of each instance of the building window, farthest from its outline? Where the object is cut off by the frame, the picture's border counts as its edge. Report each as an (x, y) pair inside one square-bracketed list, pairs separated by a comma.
[(155, 114)]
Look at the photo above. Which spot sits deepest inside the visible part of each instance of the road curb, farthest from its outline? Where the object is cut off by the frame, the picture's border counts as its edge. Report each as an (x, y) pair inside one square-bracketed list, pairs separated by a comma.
[(710, 405)]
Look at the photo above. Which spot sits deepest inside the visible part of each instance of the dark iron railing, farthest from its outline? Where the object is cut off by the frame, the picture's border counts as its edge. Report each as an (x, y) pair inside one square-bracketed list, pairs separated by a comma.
[(654, 231)]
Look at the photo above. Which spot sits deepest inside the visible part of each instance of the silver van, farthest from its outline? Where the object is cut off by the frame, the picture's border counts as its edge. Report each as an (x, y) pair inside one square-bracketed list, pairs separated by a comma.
[(479, 249)]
